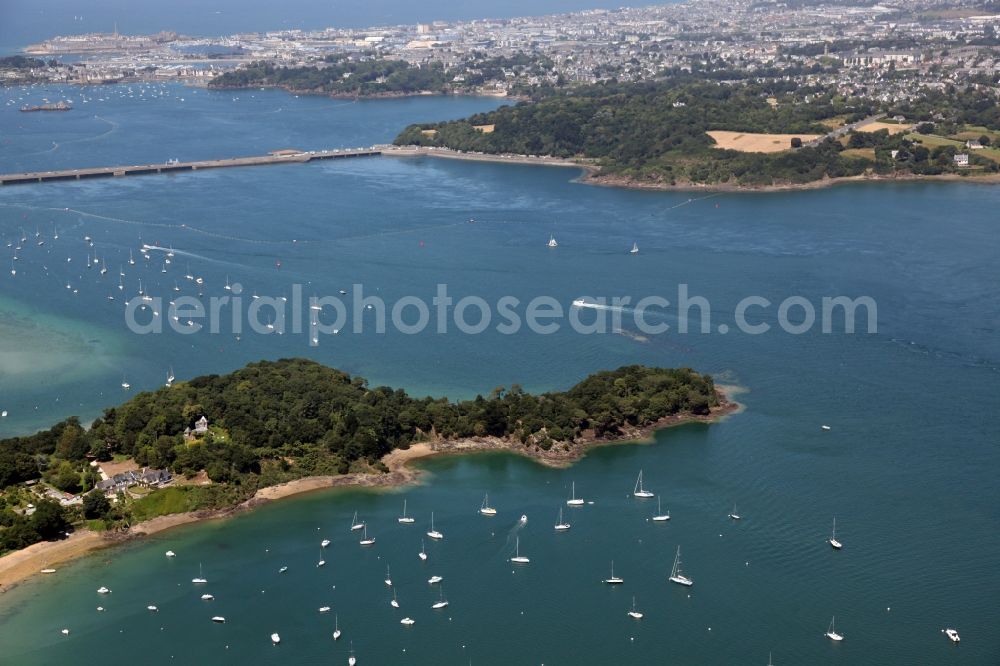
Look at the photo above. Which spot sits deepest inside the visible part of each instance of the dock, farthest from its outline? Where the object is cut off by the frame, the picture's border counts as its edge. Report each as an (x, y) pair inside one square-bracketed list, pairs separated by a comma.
[(174, 166)]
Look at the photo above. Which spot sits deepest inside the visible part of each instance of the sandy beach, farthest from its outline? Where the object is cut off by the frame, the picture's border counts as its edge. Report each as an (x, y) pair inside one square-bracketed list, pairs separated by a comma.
[(21, 565)]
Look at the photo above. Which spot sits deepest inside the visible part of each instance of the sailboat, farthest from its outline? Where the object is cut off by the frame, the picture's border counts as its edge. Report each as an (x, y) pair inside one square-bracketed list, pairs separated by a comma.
[(634, 613), (201, 576), (614, 580), (831, 631), (734, 515), (321, 561), (170, 377), (336, 628), (660, 517), (394, 603), (433, 533), (228, 286), (518, 558), (552, 242), (639, 491), (486, 509), (573, 499), (121, 283), (388, 578), (355, 525), (104, 267), (442, 603), (365, 540), (675, 574), (275, 638), (405, 519), (423, 551), (836, 545), (635, 249), (131, 259), (561, 526), (352, 660)]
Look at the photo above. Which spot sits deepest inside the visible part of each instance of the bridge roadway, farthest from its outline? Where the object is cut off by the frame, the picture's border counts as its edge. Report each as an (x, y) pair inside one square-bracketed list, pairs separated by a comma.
[(276, 157)]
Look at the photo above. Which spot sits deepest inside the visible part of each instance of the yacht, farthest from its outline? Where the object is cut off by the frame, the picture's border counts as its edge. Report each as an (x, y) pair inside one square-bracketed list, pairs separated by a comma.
[(614, 580), (635, 249), (552, 242), (282, 569), (103, 590), (201, 576), (634, 613), (355, 525), (125, 384), (48, 570), (336, 628), (405, 519), (660, 517), (365, 540), (675, 573), (423, 551), (433, 533), (573, 499), (441, 603), (486, 509), (952, 635), (219, 619), (734, 515), (207, 597), (831, 632), (518, 558), (434, 579), (836, 545), (324, 609), (579, 302), (152, 609), (639, 491), (324, 543), (407, 621), (170, 553), (561, 526)]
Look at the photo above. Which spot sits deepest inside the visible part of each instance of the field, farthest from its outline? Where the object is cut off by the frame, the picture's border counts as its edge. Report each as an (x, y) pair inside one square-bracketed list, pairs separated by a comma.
[(746, 142), (867, 153), (893, 128), (932, 141)]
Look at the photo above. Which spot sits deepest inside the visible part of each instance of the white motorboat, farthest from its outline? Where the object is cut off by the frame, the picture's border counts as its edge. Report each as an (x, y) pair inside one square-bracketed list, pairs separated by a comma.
[(207, 597), (407, 621), (434, 579), (324, 543), (103, 590), (275, 638), (675, 573), (324, 609), (219, 619), (952, 635)]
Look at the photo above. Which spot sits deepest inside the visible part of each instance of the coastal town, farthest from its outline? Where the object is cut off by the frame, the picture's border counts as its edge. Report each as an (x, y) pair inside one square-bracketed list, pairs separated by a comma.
[(887, 51)]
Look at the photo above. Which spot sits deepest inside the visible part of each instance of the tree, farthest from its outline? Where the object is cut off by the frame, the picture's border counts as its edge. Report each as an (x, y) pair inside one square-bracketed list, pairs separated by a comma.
[(984, 140), (49, 519), (95, 504)]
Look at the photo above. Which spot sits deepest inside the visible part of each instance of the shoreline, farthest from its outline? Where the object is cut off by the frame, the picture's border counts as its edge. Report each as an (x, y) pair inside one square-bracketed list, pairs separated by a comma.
[(22, 565), (593, 176)]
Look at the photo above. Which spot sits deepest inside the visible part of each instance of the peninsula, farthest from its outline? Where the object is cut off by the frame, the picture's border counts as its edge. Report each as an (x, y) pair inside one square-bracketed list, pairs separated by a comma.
[(215, 445)]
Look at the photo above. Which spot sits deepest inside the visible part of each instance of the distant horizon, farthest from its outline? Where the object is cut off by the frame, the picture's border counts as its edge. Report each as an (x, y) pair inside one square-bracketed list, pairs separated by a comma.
[(25, 22)]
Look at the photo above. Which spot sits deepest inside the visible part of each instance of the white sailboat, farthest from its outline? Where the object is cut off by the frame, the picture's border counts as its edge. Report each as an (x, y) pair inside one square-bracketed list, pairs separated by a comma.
[(486, 509), (170, 376), (394, 603), (831, 631), (552, 241), (388, 578), (573, 499), (336, 628), (365, 539), (433, 533), (561, 526), (634, 613), (355, 525), (423, 551), (405, 519), (675, 573), (320, 562), (613, 579), (352, 660), (836, 545), (518, 558), (734, 515), (635, 249), (441, 603), (275, 638), (660, 517), (639, 491)]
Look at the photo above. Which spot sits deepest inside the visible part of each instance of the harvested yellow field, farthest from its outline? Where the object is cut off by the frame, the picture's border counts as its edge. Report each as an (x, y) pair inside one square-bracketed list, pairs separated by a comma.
[(867, 153), (746, 142), (894, 128), (485, 129)]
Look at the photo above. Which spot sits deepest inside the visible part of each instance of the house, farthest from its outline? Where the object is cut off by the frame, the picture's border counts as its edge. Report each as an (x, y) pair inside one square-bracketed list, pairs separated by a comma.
[(153, 478), (973, 144), (201, 426), (962, 160)]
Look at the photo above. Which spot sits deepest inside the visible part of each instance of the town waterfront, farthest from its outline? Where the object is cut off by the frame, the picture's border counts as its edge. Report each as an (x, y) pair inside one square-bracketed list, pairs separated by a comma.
[(908, 466)]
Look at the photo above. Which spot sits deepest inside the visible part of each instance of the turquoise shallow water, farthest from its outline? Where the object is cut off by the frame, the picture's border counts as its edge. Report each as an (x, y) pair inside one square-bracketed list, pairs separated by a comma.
[(909, 466)]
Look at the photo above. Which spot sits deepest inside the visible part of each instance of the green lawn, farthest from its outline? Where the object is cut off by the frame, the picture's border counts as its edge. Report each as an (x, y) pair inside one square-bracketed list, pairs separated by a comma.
[(175, 499)]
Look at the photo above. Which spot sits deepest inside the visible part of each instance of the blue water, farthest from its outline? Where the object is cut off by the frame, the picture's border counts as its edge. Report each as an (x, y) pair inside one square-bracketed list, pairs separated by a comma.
[(24, 22), (909, 466)]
